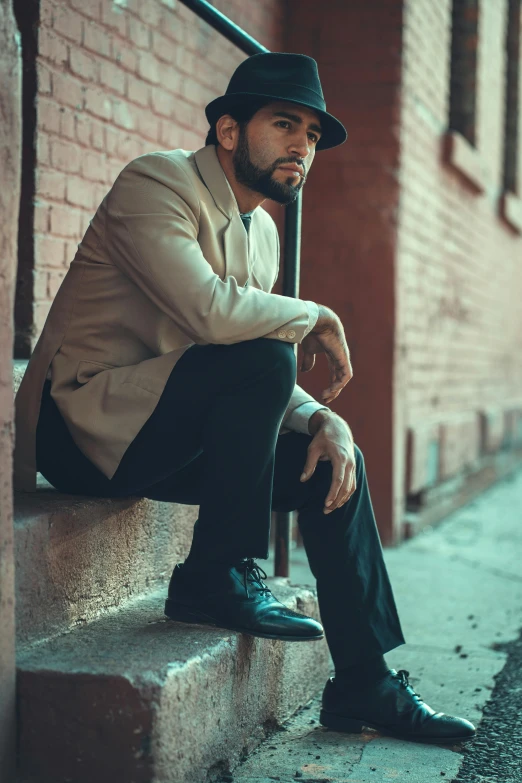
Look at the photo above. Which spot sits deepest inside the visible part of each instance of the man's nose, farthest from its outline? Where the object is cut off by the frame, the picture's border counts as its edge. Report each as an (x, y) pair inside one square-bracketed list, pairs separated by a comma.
[(300, 146)]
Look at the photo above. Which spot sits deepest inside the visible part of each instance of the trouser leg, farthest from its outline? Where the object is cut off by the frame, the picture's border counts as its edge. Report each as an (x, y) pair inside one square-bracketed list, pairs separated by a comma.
[(239, 442), (355, 597), (226, 402)]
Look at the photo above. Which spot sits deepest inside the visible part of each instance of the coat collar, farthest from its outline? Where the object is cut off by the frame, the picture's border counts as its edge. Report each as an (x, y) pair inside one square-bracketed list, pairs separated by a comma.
[(239, 252), (215, 179)]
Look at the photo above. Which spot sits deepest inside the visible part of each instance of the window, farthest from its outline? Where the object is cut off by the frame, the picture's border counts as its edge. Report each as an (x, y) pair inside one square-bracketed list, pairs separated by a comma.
[(513, 103), (464, 42)]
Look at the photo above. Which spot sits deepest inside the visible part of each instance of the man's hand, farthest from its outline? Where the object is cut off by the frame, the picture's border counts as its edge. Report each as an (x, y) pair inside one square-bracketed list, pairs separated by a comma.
[(328, 337), (332, 441)]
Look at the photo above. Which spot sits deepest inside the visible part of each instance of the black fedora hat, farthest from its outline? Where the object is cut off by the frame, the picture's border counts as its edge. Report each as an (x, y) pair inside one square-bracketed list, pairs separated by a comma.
[(280, 77)]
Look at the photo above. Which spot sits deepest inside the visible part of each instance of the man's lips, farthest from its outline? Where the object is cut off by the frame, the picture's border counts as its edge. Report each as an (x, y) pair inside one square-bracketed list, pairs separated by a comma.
[(293, 169)]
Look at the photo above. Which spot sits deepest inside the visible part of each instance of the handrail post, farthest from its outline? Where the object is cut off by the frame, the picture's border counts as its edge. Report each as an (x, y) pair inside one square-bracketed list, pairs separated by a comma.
[(292, 254)]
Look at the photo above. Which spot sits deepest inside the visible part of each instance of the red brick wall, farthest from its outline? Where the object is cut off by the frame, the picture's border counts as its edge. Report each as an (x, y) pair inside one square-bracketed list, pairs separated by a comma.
[(459, 320), (117, 79), (349, 215)]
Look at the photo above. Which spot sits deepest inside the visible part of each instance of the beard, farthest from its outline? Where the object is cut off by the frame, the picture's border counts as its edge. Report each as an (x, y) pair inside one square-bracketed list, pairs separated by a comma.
[(261, 180)]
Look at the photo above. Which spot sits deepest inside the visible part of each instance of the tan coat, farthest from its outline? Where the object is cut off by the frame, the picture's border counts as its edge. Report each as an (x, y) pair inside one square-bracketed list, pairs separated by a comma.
[(162, 266)]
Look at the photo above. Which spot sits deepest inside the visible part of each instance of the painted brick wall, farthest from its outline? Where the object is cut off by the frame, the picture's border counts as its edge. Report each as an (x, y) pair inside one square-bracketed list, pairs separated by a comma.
[(10, 151), (459, 320), (117, 78)]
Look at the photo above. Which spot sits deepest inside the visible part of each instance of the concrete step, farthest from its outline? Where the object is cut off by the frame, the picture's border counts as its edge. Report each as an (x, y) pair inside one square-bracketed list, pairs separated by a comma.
[(137, 698), (78, 556)]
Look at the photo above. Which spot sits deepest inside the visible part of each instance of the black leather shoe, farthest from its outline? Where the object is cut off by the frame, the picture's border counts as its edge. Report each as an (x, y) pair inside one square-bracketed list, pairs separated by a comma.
[(236, 598), (391, 706)]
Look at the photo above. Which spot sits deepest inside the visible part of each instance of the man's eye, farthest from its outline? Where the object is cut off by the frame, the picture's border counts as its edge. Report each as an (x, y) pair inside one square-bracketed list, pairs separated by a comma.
[(283, 122), (313, 137)]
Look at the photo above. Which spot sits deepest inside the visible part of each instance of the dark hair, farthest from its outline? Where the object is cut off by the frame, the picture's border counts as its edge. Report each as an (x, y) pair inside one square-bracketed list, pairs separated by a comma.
[(241, 112)]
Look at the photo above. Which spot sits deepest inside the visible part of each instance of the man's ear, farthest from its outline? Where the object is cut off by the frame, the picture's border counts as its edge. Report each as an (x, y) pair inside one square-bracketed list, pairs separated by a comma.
[(226, 131)]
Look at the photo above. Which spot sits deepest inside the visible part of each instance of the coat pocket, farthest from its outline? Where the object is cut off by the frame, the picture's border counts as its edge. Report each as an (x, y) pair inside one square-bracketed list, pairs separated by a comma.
[(87, 370)]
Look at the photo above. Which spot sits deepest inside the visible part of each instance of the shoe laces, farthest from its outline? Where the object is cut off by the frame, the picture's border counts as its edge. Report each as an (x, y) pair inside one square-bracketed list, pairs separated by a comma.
[(402, 676), (254, 574)]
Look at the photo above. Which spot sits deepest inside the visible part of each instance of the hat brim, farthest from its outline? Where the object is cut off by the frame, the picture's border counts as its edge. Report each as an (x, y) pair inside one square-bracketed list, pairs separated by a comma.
[(333, 132)]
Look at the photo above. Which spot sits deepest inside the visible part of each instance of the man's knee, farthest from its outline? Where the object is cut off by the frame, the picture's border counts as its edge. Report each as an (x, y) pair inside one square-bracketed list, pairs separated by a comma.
[(273, 350), (271, 362), (264, 353)]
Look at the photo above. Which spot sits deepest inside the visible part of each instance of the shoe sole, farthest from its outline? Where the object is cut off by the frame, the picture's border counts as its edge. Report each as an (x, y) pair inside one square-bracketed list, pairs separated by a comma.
[(355, 726), (184, 614)]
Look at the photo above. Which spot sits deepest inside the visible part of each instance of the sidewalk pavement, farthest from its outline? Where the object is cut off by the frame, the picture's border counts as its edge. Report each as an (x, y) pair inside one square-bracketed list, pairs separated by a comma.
[(458, 588)]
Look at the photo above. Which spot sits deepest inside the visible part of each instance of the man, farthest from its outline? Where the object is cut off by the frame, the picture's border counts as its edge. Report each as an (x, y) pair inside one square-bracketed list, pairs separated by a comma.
[(166, 370)]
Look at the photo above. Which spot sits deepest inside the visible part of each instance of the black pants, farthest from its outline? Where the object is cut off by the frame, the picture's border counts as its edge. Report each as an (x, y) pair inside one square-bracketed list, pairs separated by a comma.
[(213, 440)]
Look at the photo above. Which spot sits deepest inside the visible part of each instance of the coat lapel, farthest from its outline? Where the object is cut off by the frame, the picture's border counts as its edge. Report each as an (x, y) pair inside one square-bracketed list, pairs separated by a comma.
[(235, 242), (235, 239)]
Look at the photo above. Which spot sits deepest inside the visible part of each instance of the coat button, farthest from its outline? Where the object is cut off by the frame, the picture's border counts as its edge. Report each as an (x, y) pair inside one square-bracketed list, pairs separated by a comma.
[(291, 333), (281, 333)]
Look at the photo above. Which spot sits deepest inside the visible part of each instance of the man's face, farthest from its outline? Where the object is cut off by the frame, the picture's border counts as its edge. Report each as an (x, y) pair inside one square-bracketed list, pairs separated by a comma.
[(275, 150)]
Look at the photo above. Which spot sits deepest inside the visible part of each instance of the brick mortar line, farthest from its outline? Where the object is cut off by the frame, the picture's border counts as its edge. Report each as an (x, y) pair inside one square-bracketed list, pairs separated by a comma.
[(44, 201), (114, 33), (70, 74), (126, 11), (110, 33)]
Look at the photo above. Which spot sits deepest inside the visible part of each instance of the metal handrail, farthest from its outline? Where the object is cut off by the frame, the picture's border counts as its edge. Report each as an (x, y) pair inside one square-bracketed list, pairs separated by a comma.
[(292, 243)]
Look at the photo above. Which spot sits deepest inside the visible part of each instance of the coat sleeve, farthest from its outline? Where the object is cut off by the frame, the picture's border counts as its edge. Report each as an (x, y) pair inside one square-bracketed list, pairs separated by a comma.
[(291, 421), (152, 237), (300, 417)]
